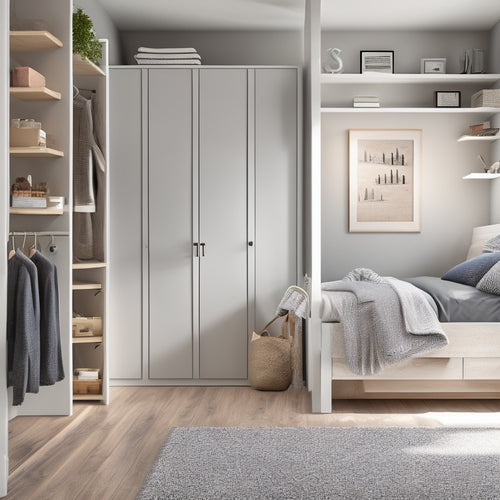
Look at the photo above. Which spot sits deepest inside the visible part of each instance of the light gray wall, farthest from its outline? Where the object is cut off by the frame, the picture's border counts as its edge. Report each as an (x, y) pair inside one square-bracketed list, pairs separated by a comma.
[(495, 122), (223, 47), (408, 47), (451, 207), (103, 26)]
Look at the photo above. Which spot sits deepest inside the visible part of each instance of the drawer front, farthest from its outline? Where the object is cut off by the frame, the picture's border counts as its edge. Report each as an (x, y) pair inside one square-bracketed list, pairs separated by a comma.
[(410, 369), (482, 368)]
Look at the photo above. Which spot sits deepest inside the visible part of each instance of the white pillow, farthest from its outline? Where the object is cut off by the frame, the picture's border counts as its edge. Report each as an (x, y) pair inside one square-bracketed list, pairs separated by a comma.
[(480, 235)]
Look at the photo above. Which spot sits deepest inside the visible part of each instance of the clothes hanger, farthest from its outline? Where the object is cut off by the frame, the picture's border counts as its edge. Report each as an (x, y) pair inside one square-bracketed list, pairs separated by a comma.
[(76, 92), (13, 251), (24, 243), (33, 248)]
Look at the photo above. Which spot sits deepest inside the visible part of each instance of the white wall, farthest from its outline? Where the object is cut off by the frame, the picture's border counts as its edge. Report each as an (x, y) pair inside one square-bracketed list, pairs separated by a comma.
[(227, 47), (450, 206), (408, 46), (495, 148), (103, 26)]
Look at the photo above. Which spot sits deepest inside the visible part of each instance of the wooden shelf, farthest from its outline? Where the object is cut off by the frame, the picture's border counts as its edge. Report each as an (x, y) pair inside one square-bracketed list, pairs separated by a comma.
[(91, 264), (480, 176), (384, 78), (87, 340), (35, 151), (480, 138), (35, 94), (86, 286), (482, 111), (85, 67), (36, 211), (24, 41), (88, 397)]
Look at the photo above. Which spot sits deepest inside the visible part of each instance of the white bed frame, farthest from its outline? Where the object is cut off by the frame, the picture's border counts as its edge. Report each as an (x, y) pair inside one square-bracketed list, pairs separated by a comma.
[(469, 367)]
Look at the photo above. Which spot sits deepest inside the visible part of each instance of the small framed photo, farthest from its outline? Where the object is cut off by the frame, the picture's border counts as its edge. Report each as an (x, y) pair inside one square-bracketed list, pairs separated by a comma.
[(376, 61), (433, 65), (447, 99)]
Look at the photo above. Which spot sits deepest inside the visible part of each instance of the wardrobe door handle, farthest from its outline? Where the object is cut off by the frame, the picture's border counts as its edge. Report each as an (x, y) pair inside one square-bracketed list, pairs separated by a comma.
[(202, 245), (197, 251)]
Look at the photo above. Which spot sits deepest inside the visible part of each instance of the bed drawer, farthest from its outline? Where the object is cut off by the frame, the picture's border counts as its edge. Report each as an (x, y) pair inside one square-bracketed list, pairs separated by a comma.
[(482, 368), (410, 369)]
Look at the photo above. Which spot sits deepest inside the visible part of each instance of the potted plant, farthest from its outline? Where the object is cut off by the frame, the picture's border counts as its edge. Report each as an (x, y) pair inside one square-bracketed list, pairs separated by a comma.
[(85, 42)]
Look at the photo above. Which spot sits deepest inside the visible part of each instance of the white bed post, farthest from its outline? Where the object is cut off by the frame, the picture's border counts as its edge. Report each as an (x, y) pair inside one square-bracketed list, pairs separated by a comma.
[(321, 403)]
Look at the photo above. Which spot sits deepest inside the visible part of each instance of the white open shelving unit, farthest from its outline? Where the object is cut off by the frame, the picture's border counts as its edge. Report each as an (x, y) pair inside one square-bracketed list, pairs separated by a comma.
[(90, 278)]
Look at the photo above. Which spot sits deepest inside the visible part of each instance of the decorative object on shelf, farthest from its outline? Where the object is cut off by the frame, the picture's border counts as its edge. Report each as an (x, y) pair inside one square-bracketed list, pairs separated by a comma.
[(376, 61), (494, 168), (85, 42), (87, 327), (24, 76), (433, 65), (474, 61), (486, 98), (25, 195), (26, 132), (384, 180), (366, 101), (447, 99), (336, 65), (476, 129)]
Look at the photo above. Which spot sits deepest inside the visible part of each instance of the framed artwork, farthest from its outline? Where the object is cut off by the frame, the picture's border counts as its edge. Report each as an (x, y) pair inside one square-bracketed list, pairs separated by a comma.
[(384, 180), (447, 99), (376, 61), (433, 65)]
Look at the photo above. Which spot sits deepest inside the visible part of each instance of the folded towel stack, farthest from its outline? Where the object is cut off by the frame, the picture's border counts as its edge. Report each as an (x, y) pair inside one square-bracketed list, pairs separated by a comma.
[(171, 56)]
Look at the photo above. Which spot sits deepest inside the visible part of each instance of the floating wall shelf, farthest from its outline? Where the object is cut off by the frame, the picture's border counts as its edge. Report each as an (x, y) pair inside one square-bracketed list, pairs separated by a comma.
[(27, 41), (35, 151), (35, 94)]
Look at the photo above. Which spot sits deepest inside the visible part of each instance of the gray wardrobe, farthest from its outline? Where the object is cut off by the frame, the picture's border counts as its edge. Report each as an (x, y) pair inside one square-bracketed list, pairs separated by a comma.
[(203, 217)]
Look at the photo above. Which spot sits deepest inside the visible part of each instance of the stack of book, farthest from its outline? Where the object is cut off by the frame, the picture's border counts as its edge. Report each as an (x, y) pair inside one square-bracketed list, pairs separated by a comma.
[(87, 374), (366, 101)]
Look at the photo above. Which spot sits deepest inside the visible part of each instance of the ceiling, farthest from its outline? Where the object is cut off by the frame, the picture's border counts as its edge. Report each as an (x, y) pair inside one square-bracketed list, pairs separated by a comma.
[(153, 15)]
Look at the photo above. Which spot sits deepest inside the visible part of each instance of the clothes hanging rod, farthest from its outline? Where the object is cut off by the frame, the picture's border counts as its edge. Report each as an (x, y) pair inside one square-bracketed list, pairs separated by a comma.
[(39, 233)]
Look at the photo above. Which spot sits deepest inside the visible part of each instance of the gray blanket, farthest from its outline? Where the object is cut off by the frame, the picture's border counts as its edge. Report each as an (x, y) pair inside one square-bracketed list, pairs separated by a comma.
[(391, 321)]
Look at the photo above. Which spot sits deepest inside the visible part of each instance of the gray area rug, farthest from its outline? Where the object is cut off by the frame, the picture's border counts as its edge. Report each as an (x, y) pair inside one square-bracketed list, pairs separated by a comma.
[(326, 463)]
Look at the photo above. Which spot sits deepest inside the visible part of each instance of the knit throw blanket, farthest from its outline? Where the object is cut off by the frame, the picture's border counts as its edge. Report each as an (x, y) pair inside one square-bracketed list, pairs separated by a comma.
[(390, 321)]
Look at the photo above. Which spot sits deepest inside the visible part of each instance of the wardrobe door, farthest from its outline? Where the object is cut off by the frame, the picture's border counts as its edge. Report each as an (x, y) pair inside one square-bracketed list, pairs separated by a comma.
[(170, 223), (276, 121), (223, 223), (125, 297)]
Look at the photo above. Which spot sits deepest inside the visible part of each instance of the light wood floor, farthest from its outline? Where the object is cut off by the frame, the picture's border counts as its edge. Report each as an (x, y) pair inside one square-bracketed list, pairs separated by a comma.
[(104, 452)]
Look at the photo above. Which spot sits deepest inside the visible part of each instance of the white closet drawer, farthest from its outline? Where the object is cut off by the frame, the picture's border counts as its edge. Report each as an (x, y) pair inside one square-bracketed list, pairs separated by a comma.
[(411, 369), (482, 368)]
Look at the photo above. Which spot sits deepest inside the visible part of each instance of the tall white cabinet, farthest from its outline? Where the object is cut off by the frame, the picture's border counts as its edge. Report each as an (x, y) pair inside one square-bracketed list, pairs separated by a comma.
[(203, 217)]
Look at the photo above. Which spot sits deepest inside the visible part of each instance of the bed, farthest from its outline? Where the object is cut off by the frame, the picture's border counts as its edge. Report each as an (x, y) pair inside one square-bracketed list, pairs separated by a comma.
[(467, 367)]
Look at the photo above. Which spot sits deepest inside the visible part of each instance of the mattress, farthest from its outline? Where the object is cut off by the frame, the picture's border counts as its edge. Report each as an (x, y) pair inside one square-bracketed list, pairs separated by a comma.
[(453, 302)]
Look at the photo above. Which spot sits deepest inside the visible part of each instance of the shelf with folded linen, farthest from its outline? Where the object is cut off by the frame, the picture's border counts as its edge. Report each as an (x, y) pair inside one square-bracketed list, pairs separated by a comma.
[(171, 56)]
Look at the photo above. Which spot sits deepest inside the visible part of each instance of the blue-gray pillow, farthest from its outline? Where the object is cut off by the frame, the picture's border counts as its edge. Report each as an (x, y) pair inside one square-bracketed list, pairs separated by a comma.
[(490, 282), (471, 271)]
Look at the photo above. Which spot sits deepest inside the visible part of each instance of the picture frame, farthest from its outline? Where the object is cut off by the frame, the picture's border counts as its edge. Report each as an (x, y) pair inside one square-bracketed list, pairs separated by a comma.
[(447, 99), (385, 180), (376, 61), (432, 65)]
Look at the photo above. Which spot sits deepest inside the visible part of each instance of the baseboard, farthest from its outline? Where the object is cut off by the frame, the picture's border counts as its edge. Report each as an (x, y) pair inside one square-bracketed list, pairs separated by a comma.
[(4, 475)]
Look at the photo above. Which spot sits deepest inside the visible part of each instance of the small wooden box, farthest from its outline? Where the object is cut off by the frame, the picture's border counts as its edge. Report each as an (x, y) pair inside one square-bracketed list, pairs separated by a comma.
[(24, 76), (26, 137), (87, 327), (87, 386)]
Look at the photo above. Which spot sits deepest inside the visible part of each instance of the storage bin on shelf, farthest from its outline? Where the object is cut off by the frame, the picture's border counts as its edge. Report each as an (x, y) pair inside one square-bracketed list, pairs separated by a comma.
[(87, 327)]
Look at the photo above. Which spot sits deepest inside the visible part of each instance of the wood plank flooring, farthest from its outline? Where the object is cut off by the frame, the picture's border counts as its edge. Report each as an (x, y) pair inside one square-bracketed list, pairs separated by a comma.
[(104, 452)]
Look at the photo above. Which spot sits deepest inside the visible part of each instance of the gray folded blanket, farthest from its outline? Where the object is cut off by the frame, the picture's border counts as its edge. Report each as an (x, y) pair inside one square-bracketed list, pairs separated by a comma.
[(391, 320)]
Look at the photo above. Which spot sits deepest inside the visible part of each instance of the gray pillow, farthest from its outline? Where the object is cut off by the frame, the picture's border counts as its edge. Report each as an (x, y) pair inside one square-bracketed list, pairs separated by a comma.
[(490, 282), (492, 245), (471, 271)]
